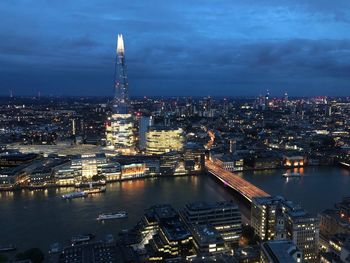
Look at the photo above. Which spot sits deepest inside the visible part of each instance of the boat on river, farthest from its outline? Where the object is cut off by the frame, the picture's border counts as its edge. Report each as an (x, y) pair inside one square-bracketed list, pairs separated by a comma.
[(109, 216), (73, 195), (7, 248), (291, 175)]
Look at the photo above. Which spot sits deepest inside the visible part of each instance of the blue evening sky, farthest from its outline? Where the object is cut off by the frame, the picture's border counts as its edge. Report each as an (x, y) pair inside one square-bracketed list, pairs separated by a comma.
[(178, 47)]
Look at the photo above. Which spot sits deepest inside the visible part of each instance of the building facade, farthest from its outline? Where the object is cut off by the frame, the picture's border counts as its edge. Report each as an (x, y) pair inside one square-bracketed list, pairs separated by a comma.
[(224, 216), (160, 139)]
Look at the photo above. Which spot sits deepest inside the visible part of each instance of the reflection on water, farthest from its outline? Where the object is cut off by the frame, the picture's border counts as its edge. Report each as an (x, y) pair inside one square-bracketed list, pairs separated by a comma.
[(318, 188), (39, 218)]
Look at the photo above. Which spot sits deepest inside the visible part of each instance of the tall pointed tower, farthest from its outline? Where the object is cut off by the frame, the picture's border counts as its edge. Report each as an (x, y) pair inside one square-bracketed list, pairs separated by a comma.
[(120, 126), (121, 96)]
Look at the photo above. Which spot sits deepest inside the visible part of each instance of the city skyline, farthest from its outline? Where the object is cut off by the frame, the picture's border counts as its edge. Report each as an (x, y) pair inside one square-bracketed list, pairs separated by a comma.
[(177, 49)]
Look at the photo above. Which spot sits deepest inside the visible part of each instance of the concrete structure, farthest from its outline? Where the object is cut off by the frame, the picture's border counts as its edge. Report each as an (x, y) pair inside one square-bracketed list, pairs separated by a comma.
[(280, 252), (243, 187)]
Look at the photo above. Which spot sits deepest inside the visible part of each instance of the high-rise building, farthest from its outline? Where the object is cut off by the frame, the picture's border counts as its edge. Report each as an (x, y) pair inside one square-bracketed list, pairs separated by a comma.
[(286, 101), (303, 229), (119, 129), (263, 216), (144, 123), (267, 214)]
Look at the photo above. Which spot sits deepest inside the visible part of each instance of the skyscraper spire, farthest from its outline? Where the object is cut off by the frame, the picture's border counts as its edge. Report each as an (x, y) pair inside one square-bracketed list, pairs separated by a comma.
[(121, 97), (120, 44)]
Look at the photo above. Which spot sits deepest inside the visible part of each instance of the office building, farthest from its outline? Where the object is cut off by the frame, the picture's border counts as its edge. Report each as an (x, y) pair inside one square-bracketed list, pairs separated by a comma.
[(224, 216), (161, 139), (303, 229), (164, 235), (263, 216), (207, 240), (275, 218)]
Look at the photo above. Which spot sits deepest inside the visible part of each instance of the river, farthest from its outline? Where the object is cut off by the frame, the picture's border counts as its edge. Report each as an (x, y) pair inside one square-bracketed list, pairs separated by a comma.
[(40, 218)]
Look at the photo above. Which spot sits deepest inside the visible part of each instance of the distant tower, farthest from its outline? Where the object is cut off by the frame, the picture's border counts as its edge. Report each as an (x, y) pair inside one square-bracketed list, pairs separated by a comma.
[(120, 126), (73, 127), (286, 99), (233, 145), (267, 99)]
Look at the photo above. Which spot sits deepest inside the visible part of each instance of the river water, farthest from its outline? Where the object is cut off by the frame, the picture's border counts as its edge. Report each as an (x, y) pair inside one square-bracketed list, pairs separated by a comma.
[(40, 218)]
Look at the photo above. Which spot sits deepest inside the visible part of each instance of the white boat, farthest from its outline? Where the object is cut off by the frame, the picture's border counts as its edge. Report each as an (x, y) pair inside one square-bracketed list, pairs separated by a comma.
[(95, 190), (82, 238), (288, 175), (74, 195), (108, 216), (6, 248)]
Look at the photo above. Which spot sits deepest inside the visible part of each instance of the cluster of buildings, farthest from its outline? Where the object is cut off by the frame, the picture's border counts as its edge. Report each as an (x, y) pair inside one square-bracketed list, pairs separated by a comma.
[(147, 137), (275, 218), (32, 171), (211, 232)]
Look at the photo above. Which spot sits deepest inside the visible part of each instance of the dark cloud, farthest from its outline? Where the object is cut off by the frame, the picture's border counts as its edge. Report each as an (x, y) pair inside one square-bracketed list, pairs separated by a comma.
[(176, 47)]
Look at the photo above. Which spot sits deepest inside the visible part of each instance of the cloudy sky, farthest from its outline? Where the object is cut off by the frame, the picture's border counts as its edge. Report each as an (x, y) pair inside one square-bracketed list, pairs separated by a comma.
[(178, 47)]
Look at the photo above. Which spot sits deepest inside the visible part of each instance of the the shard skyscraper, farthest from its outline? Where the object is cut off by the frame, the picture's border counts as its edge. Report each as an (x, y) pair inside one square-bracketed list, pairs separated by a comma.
[(121, 97), (120, 126)]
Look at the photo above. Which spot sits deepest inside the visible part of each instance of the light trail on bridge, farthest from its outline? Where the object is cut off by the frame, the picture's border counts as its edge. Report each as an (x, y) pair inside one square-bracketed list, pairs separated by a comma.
[(238, 184)]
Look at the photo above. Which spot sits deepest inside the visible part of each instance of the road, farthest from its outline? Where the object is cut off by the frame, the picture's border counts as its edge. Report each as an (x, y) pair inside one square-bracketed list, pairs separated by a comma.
[(240, 185)]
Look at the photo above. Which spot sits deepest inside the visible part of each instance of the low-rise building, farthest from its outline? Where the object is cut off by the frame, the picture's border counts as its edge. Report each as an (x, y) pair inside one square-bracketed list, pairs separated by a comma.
[(280, 251)]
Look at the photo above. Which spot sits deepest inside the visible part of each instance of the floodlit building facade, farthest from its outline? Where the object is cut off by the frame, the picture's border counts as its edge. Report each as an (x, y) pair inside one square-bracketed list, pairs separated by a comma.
[(160, 139)]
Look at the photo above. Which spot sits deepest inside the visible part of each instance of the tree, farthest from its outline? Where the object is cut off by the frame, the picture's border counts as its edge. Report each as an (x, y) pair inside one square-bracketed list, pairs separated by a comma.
[(34, 254), (96, 177), (248, 236)]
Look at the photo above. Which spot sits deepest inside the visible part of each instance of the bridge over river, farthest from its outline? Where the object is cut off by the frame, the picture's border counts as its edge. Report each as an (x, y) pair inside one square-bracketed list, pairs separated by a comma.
[(238, 184)]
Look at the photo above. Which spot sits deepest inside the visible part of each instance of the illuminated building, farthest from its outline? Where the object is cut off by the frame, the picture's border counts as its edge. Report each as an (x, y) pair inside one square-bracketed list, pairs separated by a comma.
[(233, 145), (207, 240), (224, 216), (172, 163), (229, 162), (303, 229), (267, 100), (160, 139), (300, 227), (84, 167), (263, 216), (280, 252), (134, 170), (338, 249), (293, 161), (164, 235), (119, 128), (120, 134), (334, 221), (144, 123), (194, 157)]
